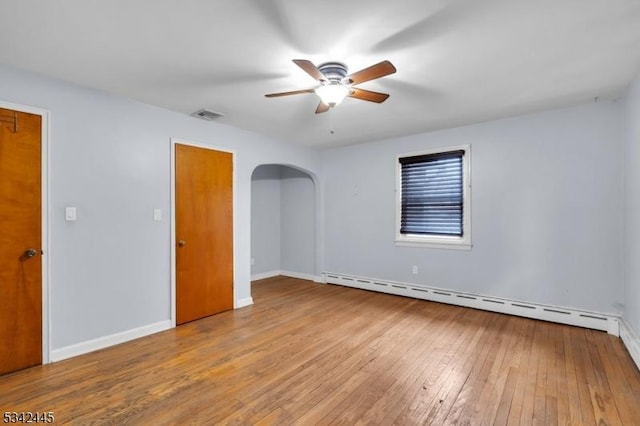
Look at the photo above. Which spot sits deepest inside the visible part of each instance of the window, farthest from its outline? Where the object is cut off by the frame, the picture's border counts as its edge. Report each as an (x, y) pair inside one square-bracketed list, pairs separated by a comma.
[(433, 199)]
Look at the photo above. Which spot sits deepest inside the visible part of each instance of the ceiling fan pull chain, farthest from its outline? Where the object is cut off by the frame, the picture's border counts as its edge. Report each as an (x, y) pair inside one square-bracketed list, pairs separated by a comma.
[(331, 127)]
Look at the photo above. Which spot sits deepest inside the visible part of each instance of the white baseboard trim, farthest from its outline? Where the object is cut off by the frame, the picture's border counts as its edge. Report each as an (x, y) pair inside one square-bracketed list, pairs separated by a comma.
[(106, 341), (570, 316), (320, 279), (241, 303), (631, 341), (299, 275), (264, 275)]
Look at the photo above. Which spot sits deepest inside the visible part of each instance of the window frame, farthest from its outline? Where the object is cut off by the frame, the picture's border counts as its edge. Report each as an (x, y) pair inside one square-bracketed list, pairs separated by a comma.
[(438, 241)]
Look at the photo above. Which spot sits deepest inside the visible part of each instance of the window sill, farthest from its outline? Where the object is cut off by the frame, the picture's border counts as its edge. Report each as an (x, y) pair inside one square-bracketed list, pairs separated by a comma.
[(441, 244)]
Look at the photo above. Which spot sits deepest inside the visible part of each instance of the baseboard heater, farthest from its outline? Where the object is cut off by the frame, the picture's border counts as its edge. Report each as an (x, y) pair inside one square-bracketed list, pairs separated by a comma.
[(592, 320)]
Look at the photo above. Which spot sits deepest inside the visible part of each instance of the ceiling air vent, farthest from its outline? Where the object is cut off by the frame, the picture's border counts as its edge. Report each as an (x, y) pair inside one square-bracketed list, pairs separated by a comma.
[(207, 114)]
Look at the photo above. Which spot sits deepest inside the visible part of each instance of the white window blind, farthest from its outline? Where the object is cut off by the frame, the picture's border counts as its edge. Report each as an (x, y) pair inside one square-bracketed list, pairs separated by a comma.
[(432, 196)]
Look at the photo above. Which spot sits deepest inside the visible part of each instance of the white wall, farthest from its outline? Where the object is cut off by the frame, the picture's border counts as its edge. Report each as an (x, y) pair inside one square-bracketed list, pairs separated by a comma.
[(632, 209), (265, 219), (546, 210), (110, 157)]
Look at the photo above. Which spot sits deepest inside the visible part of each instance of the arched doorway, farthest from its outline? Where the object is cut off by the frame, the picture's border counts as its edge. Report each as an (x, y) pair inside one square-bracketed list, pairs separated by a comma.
[(283, 222)]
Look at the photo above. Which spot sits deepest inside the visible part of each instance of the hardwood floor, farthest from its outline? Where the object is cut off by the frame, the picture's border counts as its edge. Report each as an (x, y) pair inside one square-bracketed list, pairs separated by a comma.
[(309, 353)]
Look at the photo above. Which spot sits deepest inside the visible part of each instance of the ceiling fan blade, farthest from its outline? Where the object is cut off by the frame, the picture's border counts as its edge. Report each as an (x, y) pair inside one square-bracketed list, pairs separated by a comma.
[(371, 73), (310, 69), (367, 95), (322, 107), (294, 92)]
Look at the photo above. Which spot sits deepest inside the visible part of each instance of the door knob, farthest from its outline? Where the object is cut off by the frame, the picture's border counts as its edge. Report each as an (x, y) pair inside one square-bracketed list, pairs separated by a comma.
[(30, 252), (182, 243)]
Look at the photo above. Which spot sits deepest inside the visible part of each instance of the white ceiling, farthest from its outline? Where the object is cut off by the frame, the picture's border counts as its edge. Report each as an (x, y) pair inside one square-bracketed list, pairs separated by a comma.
[(458, 62)]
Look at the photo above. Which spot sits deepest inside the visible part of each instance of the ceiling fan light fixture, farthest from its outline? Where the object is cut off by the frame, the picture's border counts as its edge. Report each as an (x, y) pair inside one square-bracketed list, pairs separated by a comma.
[(335, 84), (332, 94)]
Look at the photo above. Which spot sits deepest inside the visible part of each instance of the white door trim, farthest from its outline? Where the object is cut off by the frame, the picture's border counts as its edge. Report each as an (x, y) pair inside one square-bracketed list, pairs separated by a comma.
[(46, 269), (187, 142)]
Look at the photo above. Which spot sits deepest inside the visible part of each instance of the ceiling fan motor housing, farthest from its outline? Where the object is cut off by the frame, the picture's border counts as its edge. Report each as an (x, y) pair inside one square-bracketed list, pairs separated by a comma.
[(334, 71)]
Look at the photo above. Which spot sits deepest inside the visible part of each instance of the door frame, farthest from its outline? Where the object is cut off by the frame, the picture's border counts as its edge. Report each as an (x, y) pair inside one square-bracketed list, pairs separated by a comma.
[(44, 176), (181, 141)]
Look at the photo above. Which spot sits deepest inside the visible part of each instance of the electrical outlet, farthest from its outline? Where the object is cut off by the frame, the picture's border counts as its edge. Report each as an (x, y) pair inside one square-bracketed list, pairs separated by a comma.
[(414, 270), (253, 261)]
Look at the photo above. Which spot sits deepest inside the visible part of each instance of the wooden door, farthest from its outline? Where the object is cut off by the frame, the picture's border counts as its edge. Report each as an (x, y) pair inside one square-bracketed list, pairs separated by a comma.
[(204, 232), (20, 240)]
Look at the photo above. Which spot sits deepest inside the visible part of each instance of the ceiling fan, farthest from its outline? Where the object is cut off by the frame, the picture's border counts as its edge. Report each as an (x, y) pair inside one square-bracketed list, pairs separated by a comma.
[(335, 84)]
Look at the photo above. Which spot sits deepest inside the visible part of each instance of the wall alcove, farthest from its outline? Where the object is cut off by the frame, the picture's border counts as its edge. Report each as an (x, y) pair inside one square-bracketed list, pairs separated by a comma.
[(283, 222)]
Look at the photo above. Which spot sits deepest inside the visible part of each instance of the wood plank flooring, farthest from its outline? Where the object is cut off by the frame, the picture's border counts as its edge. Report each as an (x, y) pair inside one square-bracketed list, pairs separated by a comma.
[(308, 353)]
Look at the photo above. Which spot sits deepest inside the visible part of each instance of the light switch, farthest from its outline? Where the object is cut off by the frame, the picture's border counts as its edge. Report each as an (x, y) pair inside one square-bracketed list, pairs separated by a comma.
[(70, 214), (157, 214)]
